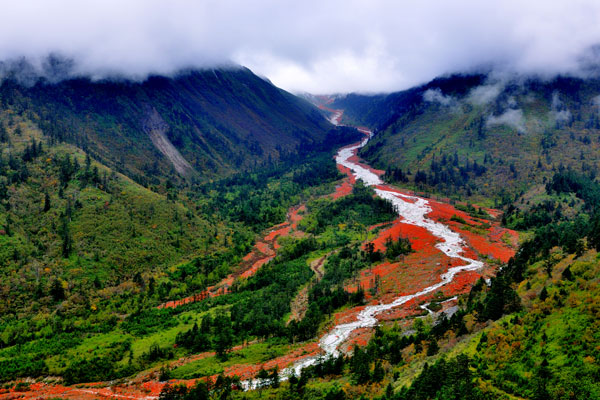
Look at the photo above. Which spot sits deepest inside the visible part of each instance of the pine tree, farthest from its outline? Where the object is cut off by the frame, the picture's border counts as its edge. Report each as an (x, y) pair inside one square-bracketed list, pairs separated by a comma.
[(66, 237), (543, 294), (3, 134), (224, 337), (567, 274), (46, 202), (56, 290), (7, 225), (274, 377), (433, 348), (378, 372)]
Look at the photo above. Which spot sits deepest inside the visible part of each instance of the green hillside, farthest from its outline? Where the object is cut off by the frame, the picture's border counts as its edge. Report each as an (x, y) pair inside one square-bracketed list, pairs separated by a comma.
[(465, 136), (198, 124), (87, 253), (93, 238)]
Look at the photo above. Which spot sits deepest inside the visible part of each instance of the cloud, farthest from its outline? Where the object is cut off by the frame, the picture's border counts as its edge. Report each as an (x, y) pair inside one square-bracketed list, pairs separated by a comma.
[(485, 94), (596, 102), (513, 118), (561, 116), (315, 46), (436, 96), (559, 112), (557, 103)]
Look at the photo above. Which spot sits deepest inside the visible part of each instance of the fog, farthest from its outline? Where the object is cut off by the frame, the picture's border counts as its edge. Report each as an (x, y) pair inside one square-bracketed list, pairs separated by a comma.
[(511, 117), (313, 46)]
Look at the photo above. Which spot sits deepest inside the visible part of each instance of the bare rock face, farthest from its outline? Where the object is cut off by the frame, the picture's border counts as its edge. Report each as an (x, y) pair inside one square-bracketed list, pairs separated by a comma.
[(156, 128)]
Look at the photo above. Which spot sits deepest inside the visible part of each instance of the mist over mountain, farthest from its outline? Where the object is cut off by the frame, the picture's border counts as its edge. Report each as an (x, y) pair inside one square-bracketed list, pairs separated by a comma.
[(485, 135), (339, 46)]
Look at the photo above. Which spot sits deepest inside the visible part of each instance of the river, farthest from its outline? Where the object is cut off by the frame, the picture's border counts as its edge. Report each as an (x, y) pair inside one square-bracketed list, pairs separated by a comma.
[(413, 210)]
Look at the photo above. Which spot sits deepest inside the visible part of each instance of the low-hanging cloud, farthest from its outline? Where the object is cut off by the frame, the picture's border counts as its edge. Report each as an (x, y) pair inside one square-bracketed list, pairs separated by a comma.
[(316, 46), (559, 112), (596, 102), (513, 118), (436, 96), (485, 94)]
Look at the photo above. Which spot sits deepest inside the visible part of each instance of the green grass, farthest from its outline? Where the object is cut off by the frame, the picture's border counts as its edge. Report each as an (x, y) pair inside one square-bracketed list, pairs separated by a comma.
[(253, 354)]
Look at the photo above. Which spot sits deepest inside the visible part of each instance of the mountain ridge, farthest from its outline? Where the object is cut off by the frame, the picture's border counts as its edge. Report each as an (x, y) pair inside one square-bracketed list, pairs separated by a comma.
[(217, 120), (482, 138)]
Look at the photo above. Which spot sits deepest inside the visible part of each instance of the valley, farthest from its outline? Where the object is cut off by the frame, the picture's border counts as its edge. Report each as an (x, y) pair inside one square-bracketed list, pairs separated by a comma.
[(334, 272), (368, 200), (445, 262)]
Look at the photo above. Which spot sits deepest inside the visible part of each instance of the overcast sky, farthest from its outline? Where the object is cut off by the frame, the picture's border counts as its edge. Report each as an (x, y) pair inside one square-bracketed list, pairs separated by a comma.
[(317, 46)]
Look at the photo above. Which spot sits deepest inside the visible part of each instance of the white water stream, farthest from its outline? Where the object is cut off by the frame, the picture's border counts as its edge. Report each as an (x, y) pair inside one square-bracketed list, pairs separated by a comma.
[(413, 212)]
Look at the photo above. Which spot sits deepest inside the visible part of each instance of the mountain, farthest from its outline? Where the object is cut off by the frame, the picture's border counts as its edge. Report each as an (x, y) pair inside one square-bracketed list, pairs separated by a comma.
[(199, 124), (480, 137), (116, 196), (376, 110)]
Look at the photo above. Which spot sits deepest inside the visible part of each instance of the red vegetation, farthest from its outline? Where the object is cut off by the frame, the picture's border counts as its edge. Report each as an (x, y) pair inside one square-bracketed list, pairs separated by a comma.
[(344, 189), (424, 267), (248, 371), (389, 280), (461, 283), (359, 337), (39, 390)]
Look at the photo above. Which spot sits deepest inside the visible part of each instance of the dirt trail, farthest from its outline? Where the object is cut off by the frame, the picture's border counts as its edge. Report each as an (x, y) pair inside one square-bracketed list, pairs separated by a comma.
[(299, 304), (318, 268)]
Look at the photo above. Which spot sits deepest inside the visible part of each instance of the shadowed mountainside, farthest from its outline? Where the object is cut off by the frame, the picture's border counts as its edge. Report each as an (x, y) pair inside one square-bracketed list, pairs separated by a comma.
[(212, 122)]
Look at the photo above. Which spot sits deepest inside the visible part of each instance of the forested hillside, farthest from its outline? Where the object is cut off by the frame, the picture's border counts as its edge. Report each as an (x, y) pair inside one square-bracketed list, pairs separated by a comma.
[(199, 124), (87, 253), (479, 137)]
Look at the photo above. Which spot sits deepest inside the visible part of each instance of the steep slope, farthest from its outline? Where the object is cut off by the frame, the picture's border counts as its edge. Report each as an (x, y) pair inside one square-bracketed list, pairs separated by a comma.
[(72, 227), (482, 138), (199, 123), (377, 110)]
